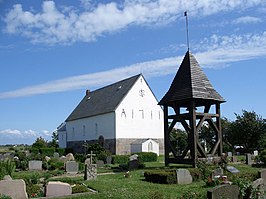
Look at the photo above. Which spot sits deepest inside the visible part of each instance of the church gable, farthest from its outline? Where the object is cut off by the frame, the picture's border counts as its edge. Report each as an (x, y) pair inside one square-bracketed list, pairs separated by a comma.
[(103, 100)]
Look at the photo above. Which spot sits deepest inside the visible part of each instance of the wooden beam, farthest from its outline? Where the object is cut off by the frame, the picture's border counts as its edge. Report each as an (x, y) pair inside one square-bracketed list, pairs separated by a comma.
[(201, 150), (166, 136), (215, 146)]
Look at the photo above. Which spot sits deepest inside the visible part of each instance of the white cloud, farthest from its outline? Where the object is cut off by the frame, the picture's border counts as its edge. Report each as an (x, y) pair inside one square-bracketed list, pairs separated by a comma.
[(247, 20), (52, 25), (212, 52), (14, 136)]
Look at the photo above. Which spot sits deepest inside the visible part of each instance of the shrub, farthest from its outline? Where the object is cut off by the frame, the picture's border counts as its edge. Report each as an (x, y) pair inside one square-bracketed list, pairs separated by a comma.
[(34, 150), (147, 156), (79, 188), (34, 191), (47, 151), (80, 157), (7, 167), (262, 156), (120, 159), (161, 176), (61, 151), (23, 165), (55, 164), (196, 174), (4, 197)]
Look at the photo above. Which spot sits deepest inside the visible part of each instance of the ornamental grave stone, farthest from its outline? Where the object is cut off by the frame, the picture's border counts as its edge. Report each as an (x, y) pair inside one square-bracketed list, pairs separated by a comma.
[(90, 172), (56, 155), (109, 160), (232, 169)]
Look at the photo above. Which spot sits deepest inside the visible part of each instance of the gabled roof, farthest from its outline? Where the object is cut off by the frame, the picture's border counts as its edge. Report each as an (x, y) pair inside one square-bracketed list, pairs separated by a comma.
[(103, 100), (189, 83)]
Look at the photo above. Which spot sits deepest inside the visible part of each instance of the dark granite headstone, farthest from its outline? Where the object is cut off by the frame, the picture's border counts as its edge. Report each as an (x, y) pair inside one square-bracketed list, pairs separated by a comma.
[(223, 191), (248, 159), (133, 164), (232, 169)]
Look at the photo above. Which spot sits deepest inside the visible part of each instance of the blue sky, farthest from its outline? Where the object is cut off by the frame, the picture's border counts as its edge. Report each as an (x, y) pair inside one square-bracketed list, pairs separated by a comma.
[(52, 51)]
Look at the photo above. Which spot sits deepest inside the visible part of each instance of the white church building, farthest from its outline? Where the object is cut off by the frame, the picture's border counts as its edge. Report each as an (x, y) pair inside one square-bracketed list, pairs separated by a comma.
[(116, 116)]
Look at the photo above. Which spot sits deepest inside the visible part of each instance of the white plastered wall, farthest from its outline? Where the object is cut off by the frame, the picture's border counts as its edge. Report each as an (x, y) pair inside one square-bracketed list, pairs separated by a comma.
[(138, 115)]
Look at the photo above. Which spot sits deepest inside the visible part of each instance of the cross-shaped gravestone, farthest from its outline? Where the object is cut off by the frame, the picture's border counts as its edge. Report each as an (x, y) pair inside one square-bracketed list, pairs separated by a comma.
[(91, 156)]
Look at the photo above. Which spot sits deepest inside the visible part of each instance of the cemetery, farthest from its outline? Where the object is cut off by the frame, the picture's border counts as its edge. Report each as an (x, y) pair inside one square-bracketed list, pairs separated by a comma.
[(210, 157)]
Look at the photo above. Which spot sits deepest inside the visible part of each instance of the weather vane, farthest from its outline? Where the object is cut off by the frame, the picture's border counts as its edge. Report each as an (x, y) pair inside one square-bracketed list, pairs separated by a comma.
[(185, 14)]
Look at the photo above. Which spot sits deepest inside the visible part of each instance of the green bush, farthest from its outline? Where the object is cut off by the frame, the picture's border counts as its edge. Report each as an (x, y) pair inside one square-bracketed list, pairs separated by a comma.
[(34, 150), (4, 197), (120, 159), (34, 191), (7, 167), (47, 151), (55, 164), (80, 157), (79, 188), (196, 174), (161, 176), (147, 156), (262, 156), (61, 151)]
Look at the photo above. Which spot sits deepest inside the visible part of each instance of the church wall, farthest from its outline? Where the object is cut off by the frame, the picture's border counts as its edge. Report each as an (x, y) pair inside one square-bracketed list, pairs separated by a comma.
[(138, 115), (62, 139), (91, 128)]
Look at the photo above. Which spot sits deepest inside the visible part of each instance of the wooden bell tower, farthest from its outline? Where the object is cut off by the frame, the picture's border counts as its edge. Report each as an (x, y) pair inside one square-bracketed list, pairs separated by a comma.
[(191, 98)]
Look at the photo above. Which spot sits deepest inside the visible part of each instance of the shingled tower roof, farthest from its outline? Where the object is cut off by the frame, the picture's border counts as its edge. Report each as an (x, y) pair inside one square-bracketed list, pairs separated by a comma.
[(190, 83)]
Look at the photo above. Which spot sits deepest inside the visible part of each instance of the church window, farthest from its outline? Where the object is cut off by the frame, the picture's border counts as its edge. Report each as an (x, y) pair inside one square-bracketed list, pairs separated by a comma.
[(73, 132), (150, 147), (151, 114), (132, 113), (84, 130), (123, 113), (101, 140), (62, 137), (142, 113)]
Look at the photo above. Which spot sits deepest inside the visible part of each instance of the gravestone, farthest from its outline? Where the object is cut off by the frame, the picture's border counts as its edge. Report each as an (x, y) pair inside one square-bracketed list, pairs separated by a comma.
[(109, 160), (70, 157), (35, 165), (256, 153), (58, 189), (14, 188), (219, 172), (56, 155), (232, 169), (90, 172), (262, 174), (133, 157), (248, 159), (90, 156), (229, 154), (133, 164), (47, 158), (183, 176), (223, 191), (234, 158), (7, 177), (72, 167), (63, 159), (100, 163)]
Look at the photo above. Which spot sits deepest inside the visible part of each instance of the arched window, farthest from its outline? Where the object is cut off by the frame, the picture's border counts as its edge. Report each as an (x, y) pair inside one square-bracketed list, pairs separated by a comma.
[(150, 147), (101, 140), (84, 130)]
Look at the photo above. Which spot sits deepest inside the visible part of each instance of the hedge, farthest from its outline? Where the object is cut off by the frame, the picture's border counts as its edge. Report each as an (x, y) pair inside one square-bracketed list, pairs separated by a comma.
[(34, 150), (161, 176), (120, 159), (147, 156)]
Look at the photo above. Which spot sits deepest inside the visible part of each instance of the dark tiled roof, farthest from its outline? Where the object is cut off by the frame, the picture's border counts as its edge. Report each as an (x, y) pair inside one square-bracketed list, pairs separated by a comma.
[(189, 83), (103, 100)]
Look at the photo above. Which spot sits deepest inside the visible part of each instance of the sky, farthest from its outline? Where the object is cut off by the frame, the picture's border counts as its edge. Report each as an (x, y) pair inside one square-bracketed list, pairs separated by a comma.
[(52, 51)]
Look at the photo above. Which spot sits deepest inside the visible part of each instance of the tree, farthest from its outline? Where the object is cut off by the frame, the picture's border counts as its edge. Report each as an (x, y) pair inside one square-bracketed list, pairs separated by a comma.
[(54, 141), (40, 142), (248, 131), (178, 139)]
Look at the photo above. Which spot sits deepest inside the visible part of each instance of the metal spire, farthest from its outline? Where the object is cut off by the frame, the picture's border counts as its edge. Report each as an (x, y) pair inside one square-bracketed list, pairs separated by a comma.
[(185, 14)]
